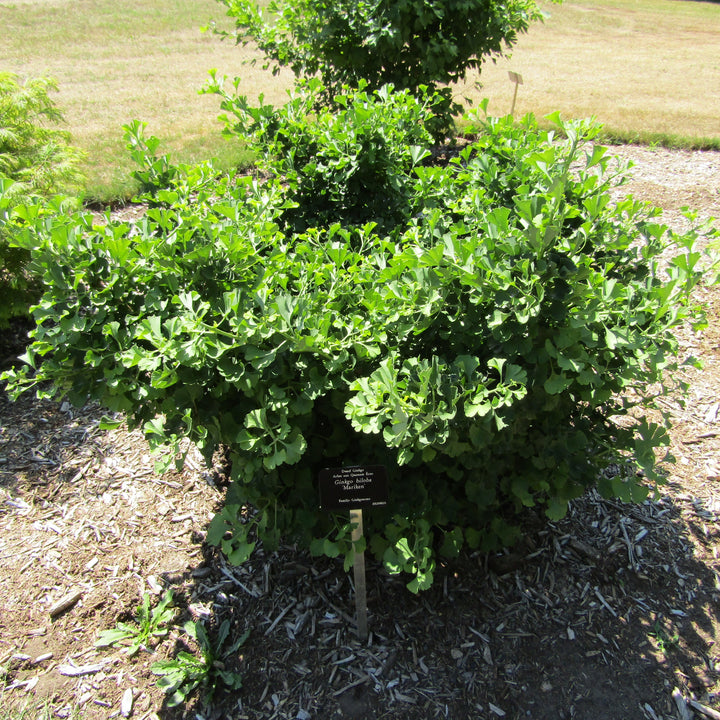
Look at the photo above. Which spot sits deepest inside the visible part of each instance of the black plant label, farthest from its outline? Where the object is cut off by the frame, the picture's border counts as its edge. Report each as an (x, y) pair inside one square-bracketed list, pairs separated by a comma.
[(358, 486)]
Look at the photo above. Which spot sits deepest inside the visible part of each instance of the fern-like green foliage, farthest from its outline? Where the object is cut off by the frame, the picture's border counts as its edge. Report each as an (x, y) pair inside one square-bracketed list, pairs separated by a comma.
[(36, 161), (33, 151)]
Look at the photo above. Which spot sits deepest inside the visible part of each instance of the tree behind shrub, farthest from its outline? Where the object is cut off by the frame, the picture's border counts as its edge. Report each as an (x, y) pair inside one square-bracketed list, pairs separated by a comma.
[(407, 44), (493, 346)]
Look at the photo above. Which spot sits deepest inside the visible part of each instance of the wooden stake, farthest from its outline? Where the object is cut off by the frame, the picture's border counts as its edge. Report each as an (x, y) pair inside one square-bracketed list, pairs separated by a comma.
[(359, 569), (517, 79)]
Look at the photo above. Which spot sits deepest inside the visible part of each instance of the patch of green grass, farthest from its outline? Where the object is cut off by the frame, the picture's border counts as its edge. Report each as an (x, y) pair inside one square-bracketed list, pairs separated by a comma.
[(614, 136), (667, 140)]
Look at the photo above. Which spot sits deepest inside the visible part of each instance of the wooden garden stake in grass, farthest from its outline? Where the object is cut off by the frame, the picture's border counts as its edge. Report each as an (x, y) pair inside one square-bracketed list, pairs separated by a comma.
[(517, 79), (354, 488), (359, 573)]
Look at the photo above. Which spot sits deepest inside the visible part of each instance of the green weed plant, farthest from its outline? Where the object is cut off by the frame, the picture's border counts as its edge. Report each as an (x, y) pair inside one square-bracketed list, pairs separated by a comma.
[(182, 675), (491, 329), (149, 625), (664, 641)]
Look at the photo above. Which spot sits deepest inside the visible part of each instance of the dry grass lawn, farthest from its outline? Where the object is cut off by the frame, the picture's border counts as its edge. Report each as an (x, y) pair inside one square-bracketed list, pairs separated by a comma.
[(116, 61), (642, 67), (639, 66)]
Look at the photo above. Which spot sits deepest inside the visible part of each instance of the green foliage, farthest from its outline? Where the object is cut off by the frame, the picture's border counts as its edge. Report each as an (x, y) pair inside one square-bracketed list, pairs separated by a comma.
[(35, 160), (492, 340), (17, 290), (31, 153), (149, 624), (407, 44), (154, 172), (408, 547), (352, 165), (183, 674), (663, 640), (414, 44)]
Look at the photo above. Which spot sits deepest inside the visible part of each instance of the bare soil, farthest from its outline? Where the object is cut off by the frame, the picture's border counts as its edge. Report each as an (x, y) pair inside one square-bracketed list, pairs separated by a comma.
[(611, 613)]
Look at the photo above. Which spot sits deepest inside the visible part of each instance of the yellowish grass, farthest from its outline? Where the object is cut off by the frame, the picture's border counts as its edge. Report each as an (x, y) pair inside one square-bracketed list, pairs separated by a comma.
[(119, 60), (644, 66), (639, 66)]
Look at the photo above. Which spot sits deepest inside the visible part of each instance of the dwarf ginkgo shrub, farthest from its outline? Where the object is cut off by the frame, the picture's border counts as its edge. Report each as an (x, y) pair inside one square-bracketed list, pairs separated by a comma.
[(493, 345), (352, 165)]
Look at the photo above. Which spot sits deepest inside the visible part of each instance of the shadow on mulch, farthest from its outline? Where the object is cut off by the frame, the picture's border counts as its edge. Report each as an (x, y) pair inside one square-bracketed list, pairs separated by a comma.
[(13, 341), (600, 617)]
